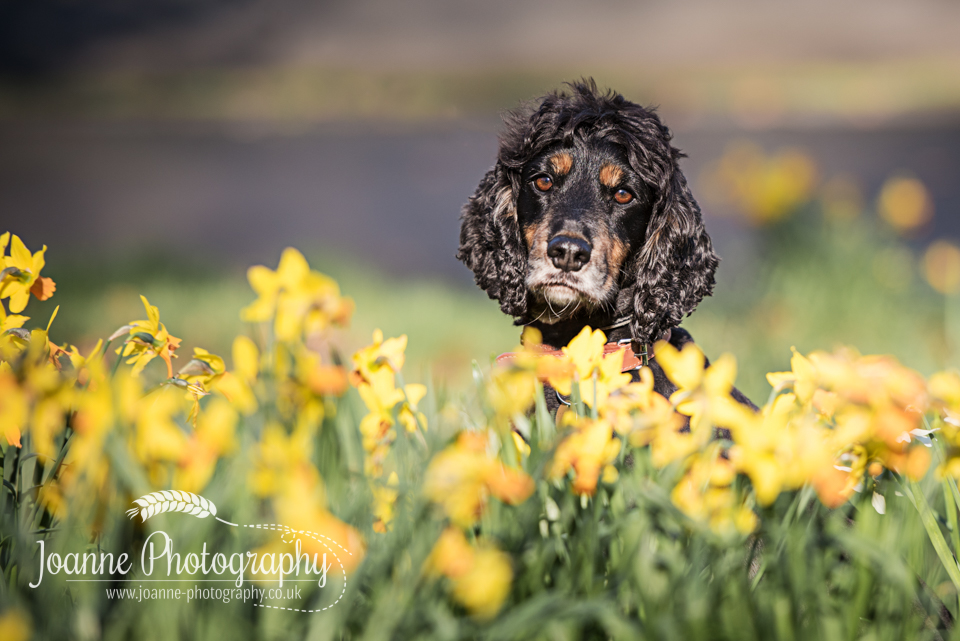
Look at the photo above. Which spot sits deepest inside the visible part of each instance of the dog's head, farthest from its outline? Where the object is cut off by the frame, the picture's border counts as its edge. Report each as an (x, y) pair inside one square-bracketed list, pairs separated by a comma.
[(585, 204)]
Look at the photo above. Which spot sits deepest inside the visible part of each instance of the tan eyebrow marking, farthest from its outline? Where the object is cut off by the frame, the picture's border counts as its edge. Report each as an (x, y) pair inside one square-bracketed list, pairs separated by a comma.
[(610, 175), (562, 163)]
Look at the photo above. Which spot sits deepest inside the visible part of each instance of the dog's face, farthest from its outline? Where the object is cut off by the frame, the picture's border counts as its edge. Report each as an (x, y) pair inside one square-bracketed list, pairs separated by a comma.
[(587, 216), (581, 210)]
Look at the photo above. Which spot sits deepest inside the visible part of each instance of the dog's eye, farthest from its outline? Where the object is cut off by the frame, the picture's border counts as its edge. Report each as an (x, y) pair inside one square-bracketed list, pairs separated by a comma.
[(543, 183), (623, 196)]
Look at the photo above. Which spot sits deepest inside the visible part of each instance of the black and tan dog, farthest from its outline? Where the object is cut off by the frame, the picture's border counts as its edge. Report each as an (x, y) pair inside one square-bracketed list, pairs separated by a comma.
[(586, 219)]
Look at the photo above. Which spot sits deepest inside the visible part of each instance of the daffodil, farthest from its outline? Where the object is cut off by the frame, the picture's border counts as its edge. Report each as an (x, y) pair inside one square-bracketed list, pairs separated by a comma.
[(585, 351), (639, 413), (380, 395), (298, 299), (409, 416), (49, 417), (480, 576), (780, 449), (147, 340), (104, 406), (703, 393), (375, 376), (237, 385), (802, 378), (588, 450), (246, 358), (81, 363), (203, 369), (380, 353), (763, 188), (598, 375), (10, 321), (275, 455), (291, 272), (844, 413), (20, 274), (451, 556), (158, 435), (212, 438), (705, 493), (14, 408), (301, 504), (15, 625), (511, 391), (485, 586), (461, 477), (384, 498), (320, 378), (607, 378)]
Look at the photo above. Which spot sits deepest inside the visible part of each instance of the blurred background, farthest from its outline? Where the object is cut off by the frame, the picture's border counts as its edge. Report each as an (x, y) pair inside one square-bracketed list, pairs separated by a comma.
[(162, 147)]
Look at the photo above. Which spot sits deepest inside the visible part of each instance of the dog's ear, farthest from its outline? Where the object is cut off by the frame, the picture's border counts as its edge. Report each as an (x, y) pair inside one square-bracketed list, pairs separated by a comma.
[(490, 242), (676, 266)]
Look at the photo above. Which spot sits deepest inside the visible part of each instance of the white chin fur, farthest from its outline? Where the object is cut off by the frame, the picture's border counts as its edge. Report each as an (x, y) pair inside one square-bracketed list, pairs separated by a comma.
[(560, 295)]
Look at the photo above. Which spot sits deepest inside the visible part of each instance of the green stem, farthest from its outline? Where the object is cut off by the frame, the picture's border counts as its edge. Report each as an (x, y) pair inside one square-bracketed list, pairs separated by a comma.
[(951, 516), (545, 425), (576, 401), (9, 470), (60, 456), (929, 520), (116, 364), (593, 406)]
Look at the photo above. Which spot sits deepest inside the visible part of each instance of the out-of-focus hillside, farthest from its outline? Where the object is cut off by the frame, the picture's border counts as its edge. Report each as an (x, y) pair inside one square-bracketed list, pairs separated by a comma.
[(754, 63)]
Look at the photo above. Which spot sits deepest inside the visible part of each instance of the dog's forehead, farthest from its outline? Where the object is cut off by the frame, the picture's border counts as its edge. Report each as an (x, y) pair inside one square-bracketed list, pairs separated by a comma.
[(583, 155)]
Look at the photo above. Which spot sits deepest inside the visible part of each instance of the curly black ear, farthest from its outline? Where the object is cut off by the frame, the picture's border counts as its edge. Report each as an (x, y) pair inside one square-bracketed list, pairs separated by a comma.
[(676, 266), (490, 242)]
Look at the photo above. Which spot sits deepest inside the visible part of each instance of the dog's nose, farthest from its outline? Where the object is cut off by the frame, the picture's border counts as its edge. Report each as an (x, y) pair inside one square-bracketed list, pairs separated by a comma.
[(568, 254)]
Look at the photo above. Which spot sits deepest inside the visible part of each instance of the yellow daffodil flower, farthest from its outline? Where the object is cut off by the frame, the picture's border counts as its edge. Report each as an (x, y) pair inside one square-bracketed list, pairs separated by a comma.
[(384, 498), (587, 451), (461, 477), (511, 391), (211, 439), (203, 369), (485, 586), (607, 379), (301, 504), (586, 351), (15, 625), (703, 394), (20, 274), (300, 300), (149, 339), (14, 408), (480, 576), (11, 321), (704, 493)]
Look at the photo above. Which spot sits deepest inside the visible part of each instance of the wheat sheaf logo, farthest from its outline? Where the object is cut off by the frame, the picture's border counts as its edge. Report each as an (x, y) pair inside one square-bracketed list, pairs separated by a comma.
[(174, 501)]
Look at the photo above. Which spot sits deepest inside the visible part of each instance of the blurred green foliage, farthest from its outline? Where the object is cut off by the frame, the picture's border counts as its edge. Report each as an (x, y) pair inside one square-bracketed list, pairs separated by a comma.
[(624, 564)]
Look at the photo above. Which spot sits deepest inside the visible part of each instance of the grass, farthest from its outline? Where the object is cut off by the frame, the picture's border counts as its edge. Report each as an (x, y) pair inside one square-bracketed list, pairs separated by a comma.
[(624, 563)]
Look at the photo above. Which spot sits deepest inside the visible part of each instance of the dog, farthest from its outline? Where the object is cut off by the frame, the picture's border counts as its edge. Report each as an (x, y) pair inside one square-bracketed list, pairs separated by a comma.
[(587, 220)]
